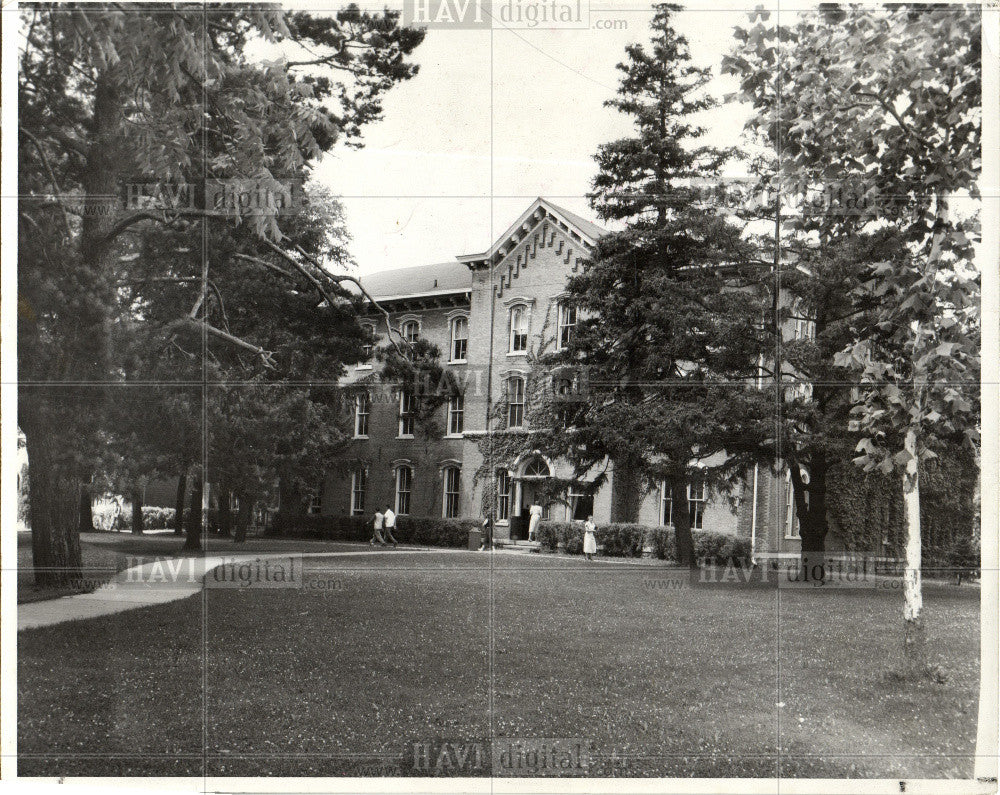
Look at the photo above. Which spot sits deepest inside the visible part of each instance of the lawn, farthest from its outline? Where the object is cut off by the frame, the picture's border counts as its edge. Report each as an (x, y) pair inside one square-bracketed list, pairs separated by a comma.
[(379, 653)]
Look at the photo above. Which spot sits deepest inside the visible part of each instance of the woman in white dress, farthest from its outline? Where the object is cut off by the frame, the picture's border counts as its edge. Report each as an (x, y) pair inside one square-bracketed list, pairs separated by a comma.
[(589, 538), (533, 522)]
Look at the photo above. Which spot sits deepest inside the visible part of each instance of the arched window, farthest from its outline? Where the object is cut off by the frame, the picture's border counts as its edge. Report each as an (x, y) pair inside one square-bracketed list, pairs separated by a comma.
[(368, 345), (536, 468), (362, 412), (518, 329), (459, 339), (410, 331), (515, 401), (452, 491), (404, 485)]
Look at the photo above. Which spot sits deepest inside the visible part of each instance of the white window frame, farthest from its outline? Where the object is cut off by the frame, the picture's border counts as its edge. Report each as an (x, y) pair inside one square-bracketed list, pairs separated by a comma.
[(451, 500), (408, 323), (517, 337), (563, 311), (511, 379), (315, 506), (456, 408), (406, 418), (455, 322), (402, 494), (369, 350), (666, 505), (359, 487), (696, 505), (366, 398), (503, 495)]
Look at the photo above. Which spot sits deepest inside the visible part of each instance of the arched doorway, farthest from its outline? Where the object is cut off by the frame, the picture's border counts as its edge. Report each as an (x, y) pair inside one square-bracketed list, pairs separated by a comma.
[(530, 474)]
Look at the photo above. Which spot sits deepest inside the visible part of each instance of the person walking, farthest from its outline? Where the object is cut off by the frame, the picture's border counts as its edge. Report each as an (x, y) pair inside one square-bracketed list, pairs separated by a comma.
[(390, 525), (487, 534), (377, 534), (589, 538)]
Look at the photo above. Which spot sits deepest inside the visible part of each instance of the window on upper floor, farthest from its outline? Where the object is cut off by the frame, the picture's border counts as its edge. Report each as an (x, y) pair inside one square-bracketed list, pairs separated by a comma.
[(566, 324), (515, 401), (456, 415), (518, 330), (410, 331), (362, 413), (368, 346), (407, 412), (459, 339)]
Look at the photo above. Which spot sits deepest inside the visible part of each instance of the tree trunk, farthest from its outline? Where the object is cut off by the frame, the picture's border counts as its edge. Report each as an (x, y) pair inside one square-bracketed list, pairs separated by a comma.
[(225, 513), (179, 504), (195, 516), (137, 526), (55, 512), (243, 518), (914, 635), (682, 524), (626, 493), (86, 509)]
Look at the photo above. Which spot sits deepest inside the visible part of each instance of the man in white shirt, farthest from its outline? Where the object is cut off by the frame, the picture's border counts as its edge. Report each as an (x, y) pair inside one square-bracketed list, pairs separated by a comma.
[(390, 525)]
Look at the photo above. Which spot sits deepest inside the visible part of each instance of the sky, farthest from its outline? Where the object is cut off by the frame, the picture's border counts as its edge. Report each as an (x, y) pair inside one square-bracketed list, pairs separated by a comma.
[(494, 119)]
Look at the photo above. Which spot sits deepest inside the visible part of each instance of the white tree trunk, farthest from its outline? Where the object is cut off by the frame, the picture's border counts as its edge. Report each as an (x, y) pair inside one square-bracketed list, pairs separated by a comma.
[(914, 647)]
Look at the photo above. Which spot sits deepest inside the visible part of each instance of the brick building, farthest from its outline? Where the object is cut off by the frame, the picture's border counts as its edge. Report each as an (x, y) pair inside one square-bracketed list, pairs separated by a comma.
[(485, 312)]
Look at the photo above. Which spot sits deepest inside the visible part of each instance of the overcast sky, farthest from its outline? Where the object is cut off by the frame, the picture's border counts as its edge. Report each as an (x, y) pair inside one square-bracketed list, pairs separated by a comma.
[(494, 119)]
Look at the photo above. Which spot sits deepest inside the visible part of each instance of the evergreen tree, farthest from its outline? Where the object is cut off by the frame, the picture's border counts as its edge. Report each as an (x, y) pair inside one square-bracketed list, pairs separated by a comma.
[(670, 307)]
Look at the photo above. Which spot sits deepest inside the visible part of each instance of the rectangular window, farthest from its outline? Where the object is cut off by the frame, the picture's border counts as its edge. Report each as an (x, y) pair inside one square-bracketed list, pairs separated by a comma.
[(518, 329), (404, 483), (452, 489), (696, 504), (362, 411), (407, 407), (503, 495), (566, 324), (459, 339), (359, 483), (515, 402), (666, 505), (581, 505), (316, 501), (456, 415), (791, 520), (410, 331)]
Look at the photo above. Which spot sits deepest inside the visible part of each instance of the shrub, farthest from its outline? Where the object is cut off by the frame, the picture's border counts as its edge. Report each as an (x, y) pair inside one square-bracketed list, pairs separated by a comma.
[(721, 549), (424, 530), (662, 541), (622, 540), (569, 534), (548, 536), (154, 518)]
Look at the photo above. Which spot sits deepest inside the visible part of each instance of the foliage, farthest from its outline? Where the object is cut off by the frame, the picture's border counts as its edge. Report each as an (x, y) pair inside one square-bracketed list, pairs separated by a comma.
[(622, 540), (722, 549), (117, 517), (420, 530)]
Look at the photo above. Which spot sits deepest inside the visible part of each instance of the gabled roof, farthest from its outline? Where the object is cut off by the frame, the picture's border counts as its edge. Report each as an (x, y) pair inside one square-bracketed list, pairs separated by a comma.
[(589, 232)]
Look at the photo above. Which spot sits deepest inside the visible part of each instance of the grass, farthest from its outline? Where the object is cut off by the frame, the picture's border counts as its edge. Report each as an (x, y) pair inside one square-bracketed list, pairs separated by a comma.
[(403, 648)]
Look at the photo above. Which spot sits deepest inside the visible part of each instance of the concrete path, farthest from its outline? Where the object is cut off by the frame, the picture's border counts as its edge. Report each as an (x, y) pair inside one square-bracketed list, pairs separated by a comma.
[(160, 582)]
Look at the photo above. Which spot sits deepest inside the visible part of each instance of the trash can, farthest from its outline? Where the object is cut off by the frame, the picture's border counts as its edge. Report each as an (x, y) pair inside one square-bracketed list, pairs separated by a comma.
[(475, 539)]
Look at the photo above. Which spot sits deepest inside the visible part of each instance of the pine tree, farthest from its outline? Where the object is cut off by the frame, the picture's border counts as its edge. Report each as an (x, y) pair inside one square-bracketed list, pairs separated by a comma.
[(669, 337)]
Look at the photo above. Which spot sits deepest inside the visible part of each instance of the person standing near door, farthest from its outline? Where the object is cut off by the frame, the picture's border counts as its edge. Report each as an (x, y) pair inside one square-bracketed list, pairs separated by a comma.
[(589, 538), (536, 518)]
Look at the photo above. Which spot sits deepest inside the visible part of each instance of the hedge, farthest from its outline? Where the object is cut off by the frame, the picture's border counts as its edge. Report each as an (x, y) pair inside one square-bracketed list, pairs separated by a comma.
[(422, 530), (628, 540)]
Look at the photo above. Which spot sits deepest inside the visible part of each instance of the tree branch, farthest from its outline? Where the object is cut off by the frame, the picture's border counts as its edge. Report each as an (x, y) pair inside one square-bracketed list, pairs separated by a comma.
[(52, 179)]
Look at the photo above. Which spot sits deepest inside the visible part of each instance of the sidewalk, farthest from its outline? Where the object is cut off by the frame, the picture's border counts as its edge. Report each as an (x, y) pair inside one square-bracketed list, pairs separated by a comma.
[(133, 588)]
